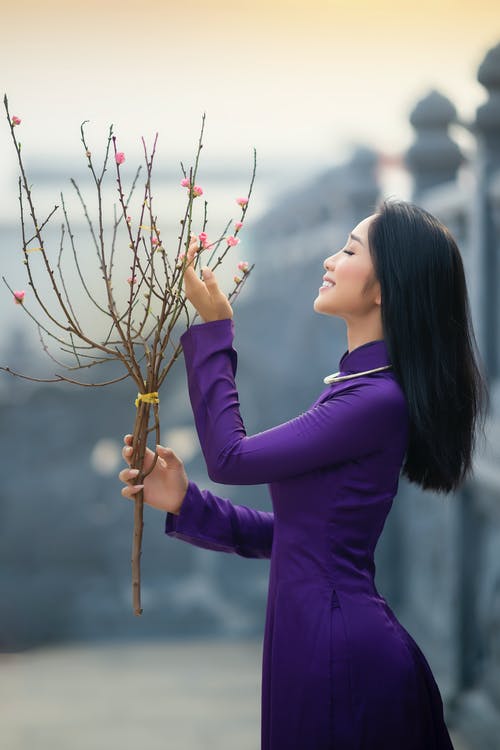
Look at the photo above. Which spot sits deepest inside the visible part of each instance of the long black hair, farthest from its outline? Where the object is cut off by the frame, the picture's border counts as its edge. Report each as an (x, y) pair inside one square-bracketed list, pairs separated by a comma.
[(430, 340)]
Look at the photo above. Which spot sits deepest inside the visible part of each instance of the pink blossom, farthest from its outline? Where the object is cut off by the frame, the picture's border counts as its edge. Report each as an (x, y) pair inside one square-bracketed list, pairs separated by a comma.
[(16, 120), (232, 240), (131, 280), (119, 157), (182, 255), (236, 279), (243, 265), (155, 241), (242, 201), (203, 239), (197, 190), (129, 219), (19, 297), (185, 182), (238, 225)]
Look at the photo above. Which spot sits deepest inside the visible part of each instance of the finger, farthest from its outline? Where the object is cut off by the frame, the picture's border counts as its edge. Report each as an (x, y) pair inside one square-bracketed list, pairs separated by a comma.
[(191, 275), (170, 458), (126, 475), (127, 452), (192, 249), (191, 252), (128, 439), (216, 294), (131, 489), (210, 280), (194, 287)]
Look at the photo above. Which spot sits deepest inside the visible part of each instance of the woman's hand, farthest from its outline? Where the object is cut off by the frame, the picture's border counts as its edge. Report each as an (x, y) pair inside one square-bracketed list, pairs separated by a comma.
[(166, 486), (204, 295)]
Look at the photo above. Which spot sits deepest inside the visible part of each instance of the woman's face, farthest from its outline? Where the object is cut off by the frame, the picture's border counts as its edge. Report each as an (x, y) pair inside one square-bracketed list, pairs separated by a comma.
[(356, 291)]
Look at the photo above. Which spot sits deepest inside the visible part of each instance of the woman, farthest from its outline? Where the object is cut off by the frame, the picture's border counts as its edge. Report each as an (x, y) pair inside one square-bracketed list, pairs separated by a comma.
[(339, 670)]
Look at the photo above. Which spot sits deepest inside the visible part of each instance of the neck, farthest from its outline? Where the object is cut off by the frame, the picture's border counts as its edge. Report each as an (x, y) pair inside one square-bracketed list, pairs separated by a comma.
[(362, 333)]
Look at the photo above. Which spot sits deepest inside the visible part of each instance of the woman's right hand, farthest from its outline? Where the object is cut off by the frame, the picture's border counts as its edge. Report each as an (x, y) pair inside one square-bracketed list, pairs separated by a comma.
[(166, 486), (210, 302)]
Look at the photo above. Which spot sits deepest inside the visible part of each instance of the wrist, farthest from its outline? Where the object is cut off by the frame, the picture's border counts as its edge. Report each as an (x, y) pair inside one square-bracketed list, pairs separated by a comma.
[(177, 510)]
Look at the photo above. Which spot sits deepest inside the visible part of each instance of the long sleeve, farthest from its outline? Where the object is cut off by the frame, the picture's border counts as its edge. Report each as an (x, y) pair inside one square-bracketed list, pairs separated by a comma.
[(216, 523), (352, 422)]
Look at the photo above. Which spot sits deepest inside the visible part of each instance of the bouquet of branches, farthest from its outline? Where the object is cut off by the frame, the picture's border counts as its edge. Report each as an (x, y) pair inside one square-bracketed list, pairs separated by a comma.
[(140, 329)]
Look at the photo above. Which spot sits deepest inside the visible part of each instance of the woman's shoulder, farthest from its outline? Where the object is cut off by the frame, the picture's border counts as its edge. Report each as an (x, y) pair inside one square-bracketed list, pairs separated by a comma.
[(378, 386)]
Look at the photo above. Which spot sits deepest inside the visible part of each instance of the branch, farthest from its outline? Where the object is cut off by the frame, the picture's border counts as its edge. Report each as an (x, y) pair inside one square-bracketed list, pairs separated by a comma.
[(80, 274), (72, 324), (61, 379), (68, 301)]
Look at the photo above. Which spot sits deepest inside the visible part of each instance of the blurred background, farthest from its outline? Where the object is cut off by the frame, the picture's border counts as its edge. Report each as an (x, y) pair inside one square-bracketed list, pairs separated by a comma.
[(345, 103)]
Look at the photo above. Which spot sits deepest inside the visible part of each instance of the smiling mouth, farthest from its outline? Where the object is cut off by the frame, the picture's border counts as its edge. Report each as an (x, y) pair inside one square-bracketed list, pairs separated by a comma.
[(327, 284)]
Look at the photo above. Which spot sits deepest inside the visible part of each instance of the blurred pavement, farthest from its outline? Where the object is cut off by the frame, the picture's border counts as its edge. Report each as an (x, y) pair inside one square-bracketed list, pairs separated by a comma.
[(153, 696), (194, 695)]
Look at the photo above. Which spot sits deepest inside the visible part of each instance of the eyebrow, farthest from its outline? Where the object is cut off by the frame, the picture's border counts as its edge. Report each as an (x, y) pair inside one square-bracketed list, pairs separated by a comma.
[(355, 237)]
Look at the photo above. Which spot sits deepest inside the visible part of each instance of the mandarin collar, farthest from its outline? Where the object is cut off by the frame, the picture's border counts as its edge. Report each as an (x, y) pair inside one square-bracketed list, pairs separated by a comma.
[(364, 357)]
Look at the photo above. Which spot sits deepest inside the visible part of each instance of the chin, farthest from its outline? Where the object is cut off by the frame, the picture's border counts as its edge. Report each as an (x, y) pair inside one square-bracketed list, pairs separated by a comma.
[(317, 307), (322, 309)]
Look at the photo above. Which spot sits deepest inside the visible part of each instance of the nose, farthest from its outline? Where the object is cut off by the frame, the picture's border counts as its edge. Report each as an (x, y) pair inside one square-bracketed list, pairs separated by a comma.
[(328, 263)]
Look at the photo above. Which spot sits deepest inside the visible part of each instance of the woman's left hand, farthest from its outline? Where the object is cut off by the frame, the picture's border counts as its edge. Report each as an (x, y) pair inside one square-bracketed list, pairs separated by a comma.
[(204, 294)]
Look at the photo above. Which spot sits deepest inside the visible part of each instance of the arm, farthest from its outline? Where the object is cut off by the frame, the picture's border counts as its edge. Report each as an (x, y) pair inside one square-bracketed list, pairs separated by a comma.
[(212, 522), (355, 421)]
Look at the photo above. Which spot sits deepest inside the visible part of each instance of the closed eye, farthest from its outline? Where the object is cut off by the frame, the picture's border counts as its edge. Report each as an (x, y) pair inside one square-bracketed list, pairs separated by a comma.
[(349, 252)]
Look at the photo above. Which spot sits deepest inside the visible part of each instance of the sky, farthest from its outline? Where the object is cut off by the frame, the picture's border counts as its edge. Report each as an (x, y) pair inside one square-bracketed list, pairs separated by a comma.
[(302, 81), (299, 80)]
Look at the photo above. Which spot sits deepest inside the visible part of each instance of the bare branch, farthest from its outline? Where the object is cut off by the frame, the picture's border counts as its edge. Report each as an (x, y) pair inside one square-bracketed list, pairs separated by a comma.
[(138, 332), (62, 379), (61, 277), (75, 257)]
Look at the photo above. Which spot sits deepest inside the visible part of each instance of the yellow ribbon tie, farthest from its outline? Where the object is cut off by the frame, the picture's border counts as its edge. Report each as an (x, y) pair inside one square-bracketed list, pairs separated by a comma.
[(147, 398)]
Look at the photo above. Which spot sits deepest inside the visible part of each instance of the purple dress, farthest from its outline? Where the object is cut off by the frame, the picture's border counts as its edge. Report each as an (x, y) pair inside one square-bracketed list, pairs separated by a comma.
[(339, 671)]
